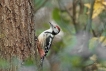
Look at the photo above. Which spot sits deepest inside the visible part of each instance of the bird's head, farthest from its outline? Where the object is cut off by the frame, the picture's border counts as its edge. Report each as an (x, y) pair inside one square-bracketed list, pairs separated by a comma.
[(55, 29)]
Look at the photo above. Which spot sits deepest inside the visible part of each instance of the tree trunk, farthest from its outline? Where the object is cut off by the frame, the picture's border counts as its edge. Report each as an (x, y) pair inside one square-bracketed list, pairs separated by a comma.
[(16, 31)]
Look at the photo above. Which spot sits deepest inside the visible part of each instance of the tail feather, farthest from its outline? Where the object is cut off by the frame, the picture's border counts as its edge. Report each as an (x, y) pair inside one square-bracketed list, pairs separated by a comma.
[(41, 62), (40, 68)]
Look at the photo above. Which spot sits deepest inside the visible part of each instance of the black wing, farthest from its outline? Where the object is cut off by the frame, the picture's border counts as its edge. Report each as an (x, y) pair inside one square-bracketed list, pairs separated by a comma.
[(48, 44)]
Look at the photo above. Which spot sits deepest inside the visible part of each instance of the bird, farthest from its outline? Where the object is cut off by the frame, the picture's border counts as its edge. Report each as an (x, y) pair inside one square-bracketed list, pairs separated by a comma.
[(45, 40)]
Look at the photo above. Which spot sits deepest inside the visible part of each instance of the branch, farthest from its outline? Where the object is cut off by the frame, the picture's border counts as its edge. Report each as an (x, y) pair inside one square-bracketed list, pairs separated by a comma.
[(73, 17), (94, 34), (61, 14), (90, 17), (68, 12), (103, 30), (81, 6), (74, 14)]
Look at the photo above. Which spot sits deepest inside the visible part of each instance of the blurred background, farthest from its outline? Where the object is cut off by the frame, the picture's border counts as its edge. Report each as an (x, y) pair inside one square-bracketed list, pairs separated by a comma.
[(81, 44)]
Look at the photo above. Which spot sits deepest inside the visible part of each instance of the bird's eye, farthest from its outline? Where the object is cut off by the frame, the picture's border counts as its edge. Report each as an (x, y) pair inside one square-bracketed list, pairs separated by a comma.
[(54, 27)]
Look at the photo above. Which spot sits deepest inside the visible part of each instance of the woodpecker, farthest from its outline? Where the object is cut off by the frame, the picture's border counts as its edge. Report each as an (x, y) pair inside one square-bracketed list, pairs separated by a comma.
[(45, 40)]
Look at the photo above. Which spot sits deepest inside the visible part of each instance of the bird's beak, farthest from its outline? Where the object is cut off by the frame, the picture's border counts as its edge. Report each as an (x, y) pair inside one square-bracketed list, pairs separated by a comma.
[(51, 24)]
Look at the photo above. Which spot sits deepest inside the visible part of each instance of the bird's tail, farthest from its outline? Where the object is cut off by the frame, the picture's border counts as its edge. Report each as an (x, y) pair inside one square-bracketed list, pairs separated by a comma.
[(41, 61), (40, 68)]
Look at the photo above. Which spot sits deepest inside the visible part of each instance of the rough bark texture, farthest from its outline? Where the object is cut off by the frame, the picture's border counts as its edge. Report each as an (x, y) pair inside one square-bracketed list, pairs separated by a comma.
[(16, 30)]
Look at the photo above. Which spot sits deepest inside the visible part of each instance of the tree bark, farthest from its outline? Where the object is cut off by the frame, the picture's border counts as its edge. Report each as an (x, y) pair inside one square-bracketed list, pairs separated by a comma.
[(16, 31)]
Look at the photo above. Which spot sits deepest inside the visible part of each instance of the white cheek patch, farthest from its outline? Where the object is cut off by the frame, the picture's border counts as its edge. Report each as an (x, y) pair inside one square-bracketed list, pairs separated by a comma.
[(56, 30)]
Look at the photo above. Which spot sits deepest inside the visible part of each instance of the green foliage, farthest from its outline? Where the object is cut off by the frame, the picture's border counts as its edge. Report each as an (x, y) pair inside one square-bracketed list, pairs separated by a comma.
[(102, 18), (60, 17), (88, 62), (58, 46), (93, 44), (56, 14), (71, 61), (76, 61), (4, 64), (29, 62), (69, 42), (38, 3)]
